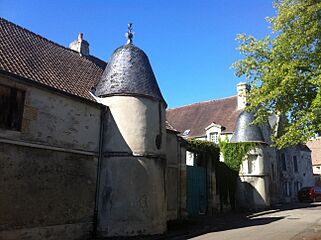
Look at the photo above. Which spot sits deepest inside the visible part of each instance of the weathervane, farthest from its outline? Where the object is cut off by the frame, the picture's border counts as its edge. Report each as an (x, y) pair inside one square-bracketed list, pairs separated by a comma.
[(129, 35)]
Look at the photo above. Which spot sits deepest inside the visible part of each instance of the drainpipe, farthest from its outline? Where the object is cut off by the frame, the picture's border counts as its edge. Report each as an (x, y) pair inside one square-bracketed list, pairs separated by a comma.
[(178, 178), (100, 157)]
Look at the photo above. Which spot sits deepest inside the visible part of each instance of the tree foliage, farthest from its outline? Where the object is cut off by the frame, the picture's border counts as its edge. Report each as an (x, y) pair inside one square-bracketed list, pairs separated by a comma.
[(284, 70)]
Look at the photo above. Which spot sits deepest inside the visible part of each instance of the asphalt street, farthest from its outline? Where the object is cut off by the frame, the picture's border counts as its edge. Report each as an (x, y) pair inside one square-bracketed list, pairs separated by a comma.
[(299, 221), (292, 222)]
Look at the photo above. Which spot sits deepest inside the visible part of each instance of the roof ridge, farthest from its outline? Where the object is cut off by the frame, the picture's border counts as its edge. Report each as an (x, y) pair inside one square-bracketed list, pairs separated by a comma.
[(46, 39), (213, 100)]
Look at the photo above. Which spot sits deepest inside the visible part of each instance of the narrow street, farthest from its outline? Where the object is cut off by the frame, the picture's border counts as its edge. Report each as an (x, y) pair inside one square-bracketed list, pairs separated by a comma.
[(298, 223), (301, 221)]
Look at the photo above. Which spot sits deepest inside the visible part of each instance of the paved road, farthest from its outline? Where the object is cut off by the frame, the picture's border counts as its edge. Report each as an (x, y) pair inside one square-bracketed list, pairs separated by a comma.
[(295, 222), (301, 221)]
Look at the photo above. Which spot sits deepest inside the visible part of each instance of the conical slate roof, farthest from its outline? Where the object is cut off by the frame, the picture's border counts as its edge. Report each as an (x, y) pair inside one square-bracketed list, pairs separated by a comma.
[(129, 73), (245, 131)]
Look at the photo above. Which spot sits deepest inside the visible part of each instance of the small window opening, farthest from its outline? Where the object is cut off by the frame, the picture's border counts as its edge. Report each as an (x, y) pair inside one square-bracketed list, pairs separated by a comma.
[(251, 161), (11, 105), (283, 162), (273, 172), (295, 164), (158, 141)]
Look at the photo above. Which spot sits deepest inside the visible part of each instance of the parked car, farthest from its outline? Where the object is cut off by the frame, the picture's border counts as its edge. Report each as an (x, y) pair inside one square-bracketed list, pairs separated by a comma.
[(311, 194)]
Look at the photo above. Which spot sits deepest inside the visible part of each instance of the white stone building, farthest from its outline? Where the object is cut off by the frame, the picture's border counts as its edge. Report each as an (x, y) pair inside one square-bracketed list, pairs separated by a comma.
[(267, 176)]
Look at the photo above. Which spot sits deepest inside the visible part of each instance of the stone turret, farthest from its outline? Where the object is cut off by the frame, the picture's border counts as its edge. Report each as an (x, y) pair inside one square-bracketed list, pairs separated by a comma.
[(132, 195), (253, 189)]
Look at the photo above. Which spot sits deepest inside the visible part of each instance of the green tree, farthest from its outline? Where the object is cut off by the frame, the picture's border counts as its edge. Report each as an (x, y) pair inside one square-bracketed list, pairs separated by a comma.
[(284, 70)]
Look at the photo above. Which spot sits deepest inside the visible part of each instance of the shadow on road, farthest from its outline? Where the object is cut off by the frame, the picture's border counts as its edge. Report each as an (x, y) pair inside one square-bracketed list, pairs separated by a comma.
[(197, 226), (286, 207), (200, 225)]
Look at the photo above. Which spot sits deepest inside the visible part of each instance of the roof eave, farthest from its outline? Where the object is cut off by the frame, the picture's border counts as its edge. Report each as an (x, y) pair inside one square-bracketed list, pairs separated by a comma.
[(44, 86)]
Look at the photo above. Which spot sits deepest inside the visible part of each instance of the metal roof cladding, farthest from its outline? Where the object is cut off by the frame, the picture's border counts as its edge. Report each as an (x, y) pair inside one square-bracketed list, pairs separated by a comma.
[(129, 73), (245, 131)]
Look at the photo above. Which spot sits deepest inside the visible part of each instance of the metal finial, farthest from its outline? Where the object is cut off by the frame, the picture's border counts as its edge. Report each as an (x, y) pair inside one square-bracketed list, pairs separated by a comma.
[(129, 35)]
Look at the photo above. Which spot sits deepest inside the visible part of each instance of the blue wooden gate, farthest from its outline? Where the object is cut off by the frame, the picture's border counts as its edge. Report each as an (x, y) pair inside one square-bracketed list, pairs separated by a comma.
[(196, 190)]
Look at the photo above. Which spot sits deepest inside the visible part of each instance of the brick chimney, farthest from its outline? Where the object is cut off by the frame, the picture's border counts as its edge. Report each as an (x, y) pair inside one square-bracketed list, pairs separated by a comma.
[(242, 90), (80, 45)]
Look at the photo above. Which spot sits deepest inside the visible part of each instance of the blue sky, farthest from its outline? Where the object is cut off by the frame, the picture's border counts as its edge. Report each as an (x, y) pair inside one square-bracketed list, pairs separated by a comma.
[(191, 44)]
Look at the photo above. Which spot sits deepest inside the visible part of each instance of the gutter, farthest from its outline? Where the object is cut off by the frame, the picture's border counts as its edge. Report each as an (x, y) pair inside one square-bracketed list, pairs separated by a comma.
[(100, 158)]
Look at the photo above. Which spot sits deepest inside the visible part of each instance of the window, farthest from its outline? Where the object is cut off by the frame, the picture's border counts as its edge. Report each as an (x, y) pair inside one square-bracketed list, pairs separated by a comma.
[(295, 164), (189, 158), (283, 162), (251, 159), (287, 189), (297, 186), (214, 137), (273, 172), (11, 105)]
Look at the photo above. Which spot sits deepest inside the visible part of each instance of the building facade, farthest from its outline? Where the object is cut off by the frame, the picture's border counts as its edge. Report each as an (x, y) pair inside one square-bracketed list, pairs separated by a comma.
[(83, 143), (267, 176), (315, 147)]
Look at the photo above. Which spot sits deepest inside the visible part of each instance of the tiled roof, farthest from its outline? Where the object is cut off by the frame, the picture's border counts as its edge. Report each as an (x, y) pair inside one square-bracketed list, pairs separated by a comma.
[(170, 127), (196, 117), (315, 147), (28, 55)]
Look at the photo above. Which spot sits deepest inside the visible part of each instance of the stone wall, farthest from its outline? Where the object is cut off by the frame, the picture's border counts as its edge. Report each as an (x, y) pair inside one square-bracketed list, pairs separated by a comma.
[(255, 177), (132, 196), (132, 189), (42, 188), (48, 169), (56, 120), (173, 180), (291, 179), (176, 177)]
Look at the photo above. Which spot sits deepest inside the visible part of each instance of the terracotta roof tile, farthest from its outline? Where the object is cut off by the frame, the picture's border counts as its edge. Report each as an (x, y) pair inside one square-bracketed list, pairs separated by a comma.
[(198, 116), (170, 127), (31, 56)]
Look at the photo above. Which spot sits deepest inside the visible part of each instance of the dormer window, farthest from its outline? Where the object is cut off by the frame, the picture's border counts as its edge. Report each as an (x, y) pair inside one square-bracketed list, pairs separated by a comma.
[(213, 132), (214, 137)]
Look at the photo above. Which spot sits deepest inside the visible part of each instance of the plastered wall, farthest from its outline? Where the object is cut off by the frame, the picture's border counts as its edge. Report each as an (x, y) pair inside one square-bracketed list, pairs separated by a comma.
[(133, 175), (56, 120), (48, 169), (137, 121)]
